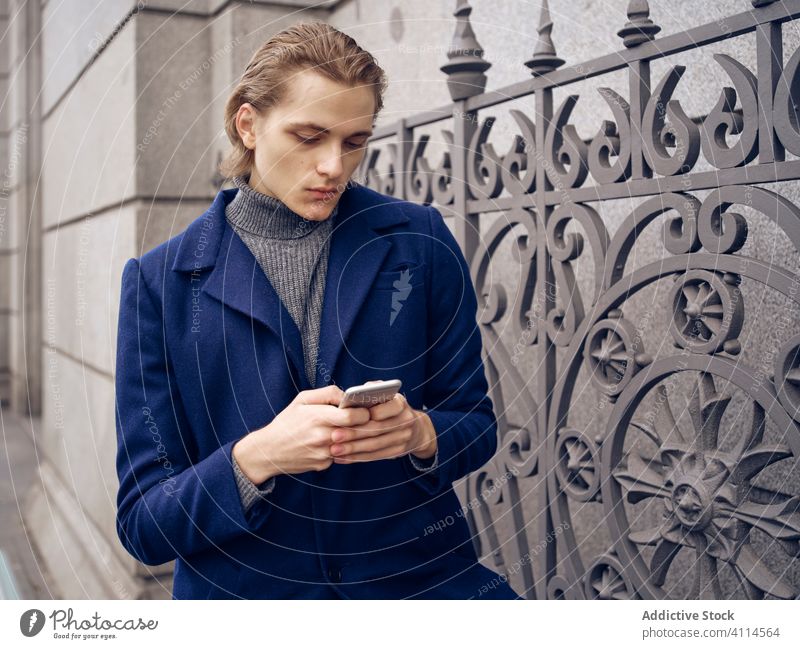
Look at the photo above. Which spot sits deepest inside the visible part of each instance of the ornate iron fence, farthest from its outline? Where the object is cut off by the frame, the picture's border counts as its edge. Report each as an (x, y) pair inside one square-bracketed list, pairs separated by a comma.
[(685, 498)]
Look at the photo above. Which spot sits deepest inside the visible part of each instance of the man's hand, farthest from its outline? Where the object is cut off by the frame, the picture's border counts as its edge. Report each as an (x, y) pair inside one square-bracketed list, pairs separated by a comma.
[(393, 430), (298, 439)]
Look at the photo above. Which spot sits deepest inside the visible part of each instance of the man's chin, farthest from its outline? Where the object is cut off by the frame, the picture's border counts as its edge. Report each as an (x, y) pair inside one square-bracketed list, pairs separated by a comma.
[(317, 210)]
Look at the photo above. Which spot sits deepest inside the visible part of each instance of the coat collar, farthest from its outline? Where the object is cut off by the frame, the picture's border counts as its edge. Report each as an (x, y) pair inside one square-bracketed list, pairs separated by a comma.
[(238, 281)]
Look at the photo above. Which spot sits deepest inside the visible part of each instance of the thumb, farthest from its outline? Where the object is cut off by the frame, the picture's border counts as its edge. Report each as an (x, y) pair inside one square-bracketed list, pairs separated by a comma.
[(329, 395)]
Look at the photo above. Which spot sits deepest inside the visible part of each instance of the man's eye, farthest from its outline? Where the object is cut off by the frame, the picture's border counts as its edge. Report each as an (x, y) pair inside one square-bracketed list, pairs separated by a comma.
[(312, 140)]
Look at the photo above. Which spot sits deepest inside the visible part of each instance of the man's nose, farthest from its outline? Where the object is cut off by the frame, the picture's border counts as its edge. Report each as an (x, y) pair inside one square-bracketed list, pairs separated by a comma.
[(331, 164)]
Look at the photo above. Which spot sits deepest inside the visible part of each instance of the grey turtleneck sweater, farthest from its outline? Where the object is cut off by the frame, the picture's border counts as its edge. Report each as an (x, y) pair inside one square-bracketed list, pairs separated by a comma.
[(293, 253)]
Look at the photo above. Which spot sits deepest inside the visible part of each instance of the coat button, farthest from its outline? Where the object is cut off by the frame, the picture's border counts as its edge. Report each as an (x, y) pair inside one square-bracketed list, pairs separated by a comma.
[(335, 574)]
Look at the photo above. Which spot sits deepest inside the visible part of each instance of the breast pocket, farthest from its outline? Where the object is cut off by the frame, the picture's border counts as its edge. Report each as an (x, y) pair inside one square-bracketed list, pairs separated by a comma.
[(391, 332), (400, 276), (399, 294)]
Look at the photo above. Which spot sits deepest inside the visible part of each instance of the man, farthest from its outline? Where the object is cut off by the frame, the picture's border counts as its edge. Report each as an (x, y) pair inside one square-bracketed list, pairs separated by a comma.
[(233, 457)]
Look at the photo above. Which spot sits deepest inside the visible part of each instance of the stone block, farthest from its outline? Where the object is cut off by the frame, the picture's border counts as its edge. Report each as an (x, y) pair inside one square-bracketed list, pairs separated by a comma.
[(172, 134), (70, 39), (82, 266), (89, 138)]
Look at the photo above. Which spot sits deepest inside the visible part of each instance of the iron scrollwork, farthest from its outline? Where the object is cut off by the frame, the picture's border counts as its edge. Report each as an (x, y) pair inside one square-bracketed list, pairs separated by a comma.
[(681, 485)]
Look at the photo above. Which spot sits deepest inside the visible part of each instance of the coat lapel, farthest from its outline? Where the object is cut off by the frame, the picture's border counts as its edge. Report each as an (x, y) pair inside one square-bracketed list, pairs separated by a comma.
[(237, 280)]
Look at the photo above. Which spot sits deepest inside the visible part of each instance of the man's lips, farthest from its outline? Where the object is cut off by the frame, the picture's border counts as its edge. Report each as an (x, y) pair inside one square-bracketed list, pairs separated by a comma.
[(323, 193)]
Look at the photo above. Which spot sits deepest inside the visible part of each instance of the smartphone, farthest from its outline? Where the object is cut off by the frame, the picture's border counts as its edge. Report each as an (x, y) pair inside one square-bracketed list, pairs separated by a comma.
[(370, 394)]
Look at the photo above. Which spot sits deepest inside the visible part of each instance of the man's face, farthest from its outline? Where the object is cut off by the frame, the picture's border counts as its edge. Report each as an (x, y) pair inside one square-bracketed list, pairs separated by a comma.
[(315, 138)]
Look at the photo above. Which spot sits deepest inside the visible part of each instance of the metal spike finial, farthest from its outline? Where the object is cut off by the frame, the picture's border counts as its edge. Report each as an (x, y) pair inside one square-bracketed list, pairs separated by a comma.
[(465, 70), (639, 28), (544, 57)]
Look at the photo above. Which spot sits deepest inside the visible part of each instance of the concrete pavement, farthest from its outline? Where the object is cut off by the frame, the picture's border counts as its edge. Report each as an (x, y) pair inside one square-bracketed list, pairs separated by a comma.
[(22, 573)]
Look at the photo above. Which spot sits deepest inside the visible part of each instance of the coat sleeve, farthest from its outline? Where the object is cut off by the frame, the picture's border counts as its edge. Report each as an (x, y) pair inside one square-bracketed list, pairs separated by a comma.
[(455, 396), (170, 503)]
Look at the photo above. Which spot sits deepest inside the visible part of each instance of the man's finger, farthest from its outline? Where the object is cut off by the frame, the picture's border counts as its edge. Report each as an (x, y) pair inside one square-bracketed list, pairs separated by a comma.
[(329, 395), (388, 453), (391, 408), (370, 444), (344, 417), (369, 429)]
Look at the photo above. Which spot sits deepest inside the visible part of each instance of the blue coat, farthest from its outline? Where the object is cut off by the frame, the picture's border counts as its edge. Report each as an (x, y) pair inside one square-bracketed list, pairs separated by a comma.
[(207, 352)]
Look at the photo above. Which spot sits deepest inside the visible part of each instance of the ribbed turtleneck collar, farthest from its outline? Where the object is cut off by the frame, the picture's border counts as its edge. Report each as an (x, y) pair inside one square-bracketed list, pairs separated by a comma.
[(267, 216)]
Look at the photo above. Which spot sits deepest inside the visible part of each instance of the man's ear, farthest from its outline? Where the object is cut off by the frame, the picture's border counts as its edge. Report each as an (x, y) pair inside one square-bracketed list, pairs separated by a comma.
[(245, 125)]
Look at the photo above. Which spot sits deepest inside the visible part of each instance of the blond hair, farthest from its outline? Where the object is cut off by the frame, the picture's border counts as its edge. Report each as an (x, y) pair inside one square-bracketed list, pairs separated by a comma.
[(309, 45)]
